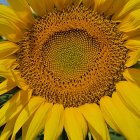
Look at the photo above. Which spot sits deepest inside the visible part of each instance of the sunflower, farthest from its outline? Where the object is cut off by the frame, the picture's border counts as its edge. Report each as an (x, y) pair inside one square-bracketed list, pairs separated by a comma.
[(73, 62)]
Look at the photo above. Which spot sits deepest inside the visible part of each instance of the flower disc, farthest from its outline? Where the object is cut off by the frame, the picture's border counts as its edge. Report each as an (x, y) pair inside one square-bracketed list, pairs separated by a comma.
[(73, 61)]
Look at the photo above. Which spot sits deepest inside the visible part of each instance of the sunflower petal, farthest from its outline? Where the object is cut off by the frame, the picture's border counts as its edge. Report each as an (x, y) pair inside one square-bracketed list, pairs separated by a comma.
[(135, 121), (109, 121), (49, 5), (77, 2), (19, 80), (7, 63), (96, 122), (117, 117), (130, 94), (7, 13), (14, 106), (27, 111), (132, 75), (6, 86), (10, 30), (127, 8), (53, 130), (130, 22), (115, 6), (133, 43), (8, 129), (38, 6), (133, 58), (38, 121), (23, 11), (102, 5), (60, 4), (74, 124), (7, 48), (88, 3)]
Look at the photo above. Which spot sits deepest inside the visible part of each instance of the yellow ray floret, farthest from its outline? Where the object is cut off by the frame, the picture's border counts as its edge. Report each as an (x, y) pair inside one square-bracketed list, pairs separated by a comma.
[(37, 122), (53, 130), (96, 123), (118, 118), (74, 124), (130, 94)]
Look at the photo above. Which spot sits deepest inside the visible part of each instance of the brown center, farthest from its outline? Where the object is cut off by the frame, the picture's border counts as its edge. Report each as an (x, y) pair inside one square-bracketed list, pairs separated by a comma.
[(72, 57)]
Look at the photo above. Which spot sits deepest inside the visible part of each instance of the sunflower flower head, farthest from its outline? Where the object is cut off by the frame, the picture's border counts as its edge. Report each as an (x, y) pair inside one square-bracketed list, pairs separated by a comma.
[(74, 64)]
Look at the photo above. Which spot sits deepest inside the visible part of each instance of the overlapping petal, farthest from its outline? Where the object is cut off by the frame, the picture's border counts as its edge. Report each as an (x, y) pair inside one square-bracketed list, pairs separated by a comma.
[(118, 118), (10, 30), (54, 130), (74, 124), (23, 11), (37, 123), (127, 8), (132, 75), (133, 58), (7, 48), (130, 93), (38, 6), (14, 106), (7, 13), (130, 22), (8, 129), (27, 111), (95, 120), (6, 86)]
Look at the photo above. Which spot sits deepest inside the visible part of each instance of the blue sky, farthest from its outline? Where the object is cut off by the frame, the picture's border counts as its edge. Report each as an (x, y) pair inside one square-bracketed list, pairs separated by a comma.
[(3, 2)]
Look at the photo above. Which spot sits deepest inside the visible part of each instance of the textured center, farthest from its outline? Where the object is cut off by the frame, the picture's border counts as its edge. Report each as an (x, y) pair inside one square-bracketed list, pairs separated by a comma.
[(69, 54), (72, 57)]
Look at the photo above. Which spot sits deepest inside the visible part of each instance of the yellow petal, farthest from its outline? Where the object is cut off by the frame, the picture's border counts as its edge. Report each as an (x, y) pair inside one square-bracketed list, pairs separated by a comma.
[(38, 121), (115, 6), (7, 13), (49, 5), (7, 62), (118, 117), (132, 75), (133, 43), (109, 121), (6, 86), (60, 4), (88, 3), (130, 93), (10, 30), (77, 2), (95, 120), (19, 80), (54, 123), (8, 129), (27, 111), (7, 48), (75, 125), (102, 5), (127, 8), (4, 72), (130, 22), (39, 6), (133, 120), (14, 106), (131, 34), (23, 11), (133, 58)]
